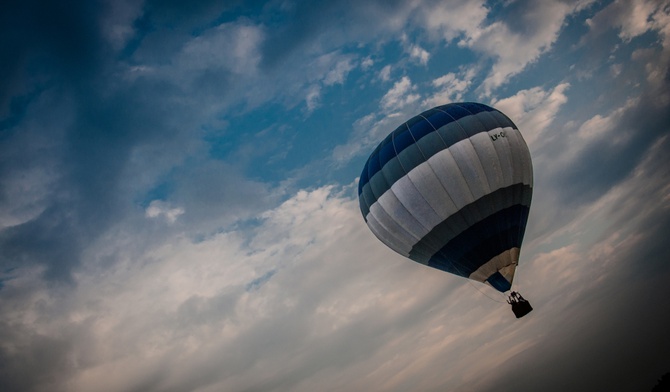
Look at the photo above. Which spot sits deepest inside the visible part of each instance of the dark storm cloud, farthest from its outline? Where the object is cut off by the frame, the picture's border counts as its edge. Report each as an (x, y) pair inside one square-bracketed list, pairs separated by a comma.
[(94, 153), (47, 36), (44, 43), (58, 50)]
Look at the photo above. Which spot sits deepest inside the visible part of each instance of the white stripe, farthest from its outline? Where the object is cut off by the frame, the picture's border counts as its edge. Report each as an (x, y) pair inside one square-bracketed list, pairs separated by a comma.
[(427, 183), (415, 203), (473, 172), (493, 166), (505, 263), (393, 215), (503, 150), (397, 243), (453, 182), (520, 159)]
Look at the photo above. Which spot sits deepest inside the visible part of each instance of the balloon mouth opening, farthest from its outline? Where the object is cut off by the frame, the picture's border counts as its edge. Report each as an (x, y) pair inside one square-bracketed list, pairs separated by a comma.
[(499, 282)]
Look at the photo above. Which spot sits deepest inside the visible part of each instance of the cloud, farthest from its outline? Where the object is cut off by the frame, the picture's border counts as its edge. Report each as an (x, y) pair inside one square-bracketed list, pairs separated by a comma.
[(366, 63), (94, 165), (397, 104), (192, 298), (327, 27), (629, 20), (632, 19), (626, 223), (385, 73), (416, 53), (368, 132), (117, 25), (73, 49), (605, 158), (91, 147), (143, 246), (420, 54), (454, 19), (515, 43), (326, 70), (233, 46), (533, 110), (159, 208), (451, 88), (400, 95), (339, 72)]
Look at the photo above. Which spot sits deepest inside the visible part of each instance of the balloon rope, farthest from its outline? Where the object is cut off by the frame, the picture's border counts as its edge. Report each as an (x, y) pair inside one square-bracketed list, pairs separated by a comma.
[(477, 288), (486, 295)]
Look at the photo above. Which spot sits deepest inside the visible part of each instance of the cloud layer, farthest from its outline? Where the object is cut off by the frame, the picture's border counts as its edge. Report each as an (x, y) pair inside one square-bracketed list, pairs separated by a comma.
[(178, 204)]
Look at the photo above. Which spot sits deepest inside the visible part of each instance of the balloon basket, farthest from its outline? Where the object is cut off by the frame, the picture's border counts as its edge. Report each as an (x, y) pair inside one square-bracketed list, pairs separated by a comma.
[(521, 308)]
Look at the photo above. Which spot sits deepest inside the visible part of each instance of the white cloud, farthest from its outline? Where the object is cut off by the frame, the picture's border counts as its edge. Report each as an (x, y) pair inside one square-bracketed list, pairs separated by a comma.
[(602, 129), (599, 231), (325, 70), (368, 132), (181, 315), (640, 17), (533, 110), (158, 208), (397, 104), (400, 95), (214, 194), (449, 20), (189, 310), (420, 54), (233, 46), (385, 73), (512, 48), (192, 299), (632, 18), (450, 87), (416, 52), (366, 63), (599, 126), (313, 97), (339, 72)]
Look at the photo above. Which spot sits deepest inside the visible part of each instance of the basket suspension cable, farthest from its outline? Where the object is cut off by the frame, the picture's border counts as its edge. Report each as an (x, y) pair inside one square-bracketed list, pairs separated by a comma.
[(477, 288)]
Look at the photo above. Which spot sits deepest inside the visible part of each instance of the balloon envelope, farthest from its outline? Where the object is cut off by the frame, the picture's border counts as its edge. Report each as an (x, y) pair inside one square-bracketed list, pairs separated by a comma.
[(451, 188)]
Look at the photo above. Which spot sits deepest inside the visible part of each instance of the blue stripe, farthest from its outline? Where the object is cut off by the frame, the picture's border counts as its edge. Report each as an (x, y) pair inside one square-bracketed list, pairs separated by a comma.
[(402, 138), (469, 215), (499, 282), (474, 247), (450, 123)]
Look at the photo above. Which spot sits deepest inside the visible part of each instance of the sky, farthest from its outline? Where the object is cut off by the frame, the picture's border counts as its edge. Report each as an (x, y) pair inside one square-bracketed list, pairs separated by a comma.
[(179, 212)]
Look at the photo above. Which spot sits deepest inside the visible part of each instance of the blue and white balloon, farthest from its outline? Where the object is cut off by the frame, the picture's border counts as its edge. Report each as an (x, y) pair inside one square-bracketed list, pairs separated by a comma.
[(451, 188)]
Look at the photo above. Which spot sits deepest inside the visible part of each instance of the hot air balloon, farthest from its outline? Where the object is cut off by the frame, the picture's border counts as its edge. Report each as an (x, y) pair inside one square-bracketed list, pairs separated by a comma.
[(451, 188)]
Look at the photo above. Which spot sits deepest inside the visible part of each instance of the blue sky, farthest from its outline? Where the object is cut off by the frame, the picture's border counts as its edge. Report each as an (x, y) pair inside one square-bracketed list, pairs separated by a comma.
[(178, 205)]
